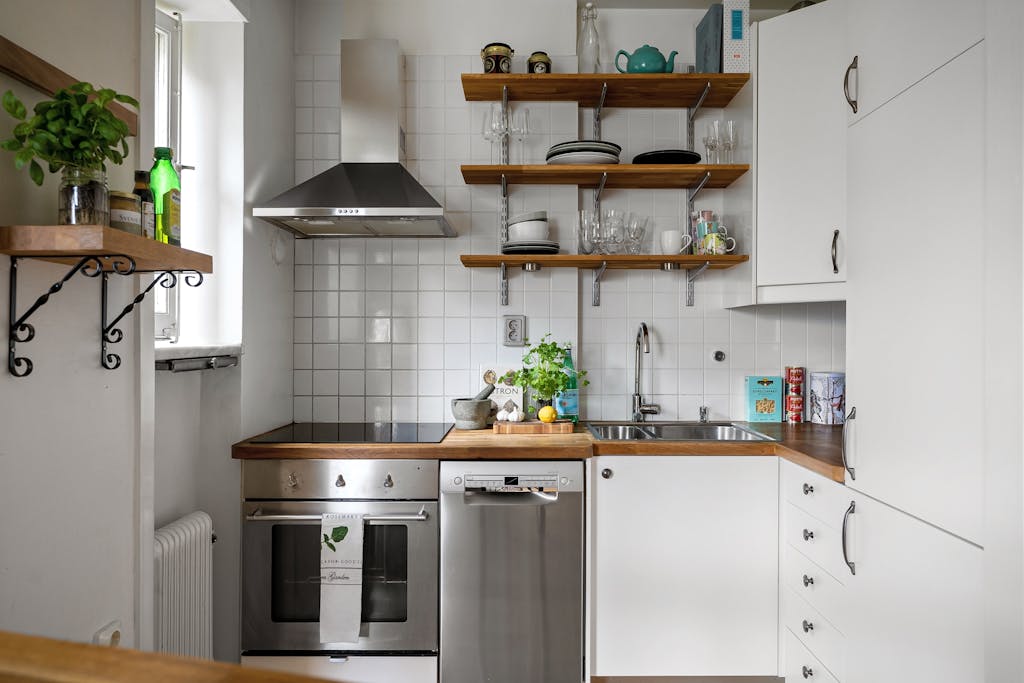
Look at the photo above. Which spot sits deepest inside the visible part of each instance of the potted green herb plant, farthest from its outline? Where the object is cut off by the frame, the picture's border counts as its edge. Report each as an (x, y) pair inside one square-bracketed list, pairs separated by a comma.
[(544, 372), (75, 133)]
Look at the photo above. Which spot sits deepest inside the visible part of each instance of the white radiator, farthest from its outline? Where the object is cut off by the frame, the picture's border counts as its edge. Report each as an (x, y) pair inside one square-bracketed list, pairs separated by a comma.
[(183, 565)]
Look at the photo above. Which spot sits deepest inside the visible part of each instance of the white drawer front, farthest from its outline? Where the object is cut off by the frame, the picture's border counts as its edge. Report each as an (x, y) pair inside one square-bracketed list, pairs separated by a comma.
[(813, 493), (820, 542), (353, 669), (815, 585), (815, 631), (802, 666)]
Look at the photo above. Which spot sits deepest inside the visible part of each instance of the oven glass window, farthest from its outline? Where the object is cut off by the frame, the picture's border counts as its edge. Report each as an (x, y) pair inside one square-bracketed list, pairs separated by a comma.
[(295, 573)]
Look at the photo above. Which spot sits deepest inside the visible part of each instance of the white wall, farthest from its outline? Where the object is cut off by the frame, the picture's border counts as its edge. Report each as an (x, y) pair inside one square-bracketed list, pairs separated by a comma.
[(69, 432), (396, 328)]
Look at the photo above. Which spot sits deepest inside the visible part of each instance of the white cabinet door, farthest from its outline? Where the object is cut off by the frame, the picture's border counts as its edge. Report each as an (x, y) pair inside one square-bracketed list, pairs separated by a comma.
[(913, 319), (801, 149), (916, 601), (684, 566), (899, 43)]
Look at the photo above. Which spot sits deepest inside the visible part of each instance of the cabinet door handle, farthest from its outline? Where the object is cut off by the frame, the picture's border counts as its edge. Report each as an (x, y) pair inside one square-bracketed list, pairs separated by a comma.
[(808, 626), (808, 581), (842, 450), (607, 473), (846, 518), (808, 535), (808, 489), (846, 85), (807, 672), (835, 252)]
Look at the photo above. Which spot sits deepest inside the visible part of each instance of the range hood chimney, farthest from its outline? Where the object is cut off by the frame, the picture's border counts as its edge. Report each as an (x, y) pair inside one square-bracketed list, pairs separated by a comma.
[(369, 194)]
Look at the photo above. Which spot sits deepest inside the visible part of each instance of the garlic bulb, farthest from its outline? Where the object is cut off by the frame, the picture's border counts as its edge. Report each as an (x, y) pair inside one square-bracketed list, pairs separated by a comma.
[(501, 416), (516, 415)]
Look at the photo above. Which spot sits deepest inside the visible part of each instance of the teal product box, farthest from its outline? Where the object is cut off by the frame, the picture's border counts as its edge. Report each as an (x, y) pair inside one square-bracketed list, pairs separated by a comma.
[(764, 398)]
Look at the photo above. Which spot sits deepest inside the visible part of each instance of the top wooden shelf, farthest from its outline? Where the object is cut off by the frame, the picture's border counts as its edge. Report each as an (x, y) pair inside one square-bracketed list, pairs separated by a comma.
[(69, 243), (624, 90)]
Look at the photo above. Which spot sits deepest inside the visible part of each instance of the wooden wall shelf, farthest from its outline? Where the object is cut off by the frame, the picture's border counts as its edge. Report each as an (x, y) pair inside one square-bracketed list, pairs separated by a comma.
[(69, 243), (656, 176), (611, 261), (624, 90)]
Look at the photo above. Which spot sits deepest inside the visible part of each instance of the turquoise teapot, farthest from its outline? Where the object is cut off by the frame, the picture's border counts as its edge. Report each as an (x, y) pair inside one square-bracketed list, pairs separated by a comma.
[(646, 60)]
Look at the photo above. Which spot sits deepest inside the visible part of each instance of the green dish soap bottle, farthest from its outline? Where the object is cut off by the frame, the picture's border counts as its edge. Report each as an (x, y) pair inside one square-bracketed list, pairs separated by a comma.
[(567, 402)]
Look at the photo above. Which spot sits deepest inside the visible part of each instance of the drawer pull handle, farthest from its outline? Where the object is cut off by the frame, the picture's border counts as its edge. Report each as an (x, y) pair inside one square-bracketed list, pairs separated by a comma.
[(835, 255), (842, 452), (846, 85), (808, 489), (849, 511), (808, 626), (808, 535), (808, 581), (807, 672)]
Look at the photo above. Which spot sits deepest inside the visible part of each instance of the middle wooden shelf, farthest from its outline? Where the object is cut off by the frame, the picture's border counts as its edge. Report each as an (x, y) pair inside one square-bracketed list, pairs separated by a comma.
[(611, 261), (618, 176)]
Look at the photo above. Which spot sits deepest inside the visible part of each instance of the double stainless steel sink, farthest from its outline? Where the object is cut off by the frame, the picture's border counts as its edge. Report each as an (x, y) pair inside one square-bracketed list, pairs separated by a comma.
[(673, 431)]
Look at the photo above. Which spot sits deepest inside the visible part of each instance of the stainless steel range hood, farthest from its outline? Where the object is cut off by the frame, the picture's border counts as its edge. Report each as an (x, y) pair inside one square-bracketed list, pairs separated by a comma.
[(370, 193)]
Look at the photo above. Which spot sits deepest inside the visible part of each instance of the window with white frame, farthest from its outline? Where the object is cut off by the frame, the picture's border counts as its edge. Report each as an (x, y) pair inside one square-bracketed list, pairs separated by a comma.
[(167, 133)]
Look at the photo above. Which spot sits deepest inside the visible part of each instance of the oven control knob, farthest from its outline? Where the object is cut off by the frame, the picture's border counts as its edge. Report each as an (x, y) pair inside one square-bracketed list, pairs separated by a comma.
[(293, 481), (564, 481), (388, 481), (457, 481), (340, 481)]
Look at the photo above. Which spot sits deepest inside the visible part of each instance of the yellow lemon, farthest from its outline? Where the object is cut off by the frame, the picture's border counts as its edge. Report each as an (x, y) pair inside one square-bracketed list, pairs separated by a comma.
[(546, 414)]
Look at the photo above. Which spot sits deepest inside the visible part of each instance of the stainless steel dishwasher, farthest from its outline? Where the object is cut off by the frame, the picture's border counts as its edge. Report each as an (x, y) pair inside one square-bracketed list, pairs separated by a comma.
[(511, 572)]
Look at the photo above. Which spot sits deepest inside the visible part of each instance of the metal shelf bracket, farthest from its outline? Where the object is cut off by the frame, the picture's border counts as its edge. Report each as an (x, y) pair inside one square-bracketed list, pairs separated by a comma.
[(503, 210), (691, 277), (692, 115), (111, 334), (506, 115), (597, 194), (693, 192), (20, 331), (598, 274), (597, 111), (503, 284)]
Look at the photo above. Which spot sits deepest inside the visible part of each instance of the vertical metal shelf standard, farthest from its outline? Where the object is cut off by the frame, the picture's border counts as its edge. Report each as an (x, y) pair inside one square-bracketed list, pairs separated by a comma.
[(691, 195)]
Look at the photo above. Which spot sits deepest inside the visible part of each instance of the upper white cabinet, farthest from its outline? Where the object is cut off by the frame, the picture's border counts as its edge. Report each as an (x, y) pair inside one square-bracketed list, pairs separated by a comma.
[(914, 323), (800, 162), (897, 44), (684, 566)]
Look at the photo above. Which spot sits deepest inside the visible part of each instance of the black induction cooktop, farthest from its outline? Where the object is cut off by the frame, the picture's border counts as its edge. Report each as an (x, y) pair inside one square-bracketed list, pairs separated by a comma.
[(357, 432)]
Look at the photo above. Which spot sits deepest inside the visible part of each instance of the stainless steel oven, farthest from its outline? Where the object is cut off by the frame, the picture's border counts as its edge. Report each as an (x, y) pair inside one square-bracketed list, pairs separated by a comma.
[(282, 508)]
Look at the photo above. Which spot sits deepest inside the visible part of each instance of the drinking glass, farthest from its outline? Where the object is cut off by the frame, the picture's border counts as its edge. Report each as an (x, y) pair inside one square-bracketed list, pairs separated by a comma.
[(495, 126), (728, 141), (520, 130), (587, 233), (636, 229), (712, 141), (613, 230)]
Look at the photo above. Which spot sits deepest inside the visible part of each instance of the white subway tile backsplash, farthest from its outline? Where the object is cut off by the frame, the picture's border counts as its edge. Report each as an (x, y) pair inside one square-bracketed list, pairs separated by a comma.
[(326, 68), (378, 356), (351, 356), (327, 93)]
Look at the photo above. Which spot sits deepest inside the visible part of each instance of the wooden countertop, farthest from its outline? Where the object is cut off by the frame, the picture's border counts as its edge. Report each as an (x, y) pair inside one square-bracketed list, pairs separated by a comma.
[(816, 447), (32, 659)]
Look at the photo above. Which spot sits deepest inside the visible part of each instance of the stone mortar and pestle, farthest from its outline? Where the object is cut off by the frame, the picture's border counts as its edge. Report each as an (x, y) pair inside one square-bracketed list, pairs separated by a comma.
[(472, 413)]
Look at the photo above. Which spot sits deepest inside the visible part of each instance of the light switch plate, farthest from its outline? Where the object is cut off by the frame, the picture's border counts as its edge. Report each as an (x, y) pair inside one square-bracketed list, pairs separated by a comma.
[(514, 330)]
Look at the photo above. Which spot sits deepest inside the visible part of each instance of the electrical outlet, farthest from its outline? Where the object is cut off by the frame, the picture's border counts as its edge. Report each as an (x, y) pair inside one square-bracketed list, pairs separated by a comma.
[(514, 330)]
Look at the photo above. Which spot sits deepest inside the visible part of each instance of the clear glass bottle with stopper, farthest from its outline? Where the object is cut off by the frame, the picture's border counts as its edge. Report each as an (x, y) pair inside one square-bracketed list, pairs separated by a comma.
[(588, 49)]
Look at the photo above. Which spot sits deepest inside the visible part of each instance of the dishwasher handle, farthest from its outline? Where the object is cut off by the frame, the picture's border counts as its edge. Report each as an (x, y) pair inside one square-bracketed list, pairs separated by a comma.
[(517, 498)]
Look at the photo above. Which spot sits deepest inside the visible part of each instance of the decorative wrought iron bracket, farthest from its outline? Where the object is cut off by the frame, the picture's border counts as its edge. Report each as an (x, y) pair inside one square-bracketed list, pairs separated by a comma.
[(111, 334), (20, 331)]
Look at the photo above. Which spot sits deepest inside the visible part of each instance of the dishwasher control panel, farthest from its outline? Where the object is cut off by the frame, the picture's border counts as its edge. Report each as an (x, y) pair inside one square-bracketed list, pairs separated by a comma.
[(512, 483)]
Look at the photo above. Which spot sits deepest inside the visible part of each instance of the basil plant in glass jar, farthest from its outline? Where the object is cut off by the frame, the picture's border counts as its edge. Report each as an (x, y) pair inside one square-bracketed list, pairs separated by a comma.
[(75, 133), (545, 372)]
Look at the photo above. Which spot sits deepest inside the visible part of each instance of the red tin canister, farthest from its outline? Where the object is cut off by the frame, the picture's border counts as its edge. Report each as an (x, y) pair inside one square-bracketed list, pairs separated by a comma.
[(794, 409)]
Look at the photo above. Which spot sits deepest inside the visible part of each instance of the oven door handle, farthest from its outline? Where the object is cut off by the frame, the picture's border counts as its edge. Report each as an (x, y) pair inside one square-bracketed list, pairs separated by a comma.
[(258, 516)]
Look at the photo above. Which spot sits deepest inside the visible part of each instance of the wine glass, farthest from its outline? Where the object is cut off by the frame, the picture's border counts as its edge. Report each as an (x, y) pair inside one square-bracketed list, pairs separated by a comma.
[(495, 126), (520, 130), (712, 141), (636, 229), (728, 140)]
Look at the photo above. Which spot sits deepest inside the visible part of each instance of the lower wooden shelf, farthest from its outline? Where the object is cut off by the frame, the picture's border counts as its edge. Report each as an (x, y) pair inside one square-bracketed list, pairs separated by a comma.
[(610, 261), (616, 176), (69, 243)]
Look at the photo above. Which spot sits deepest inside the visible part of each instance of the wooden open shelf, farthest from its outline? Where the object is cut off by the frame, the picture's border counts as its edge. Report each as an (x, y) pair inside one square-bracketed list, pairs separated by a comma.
[(611, 261), (656, 176), (624, 90), (69, 243)]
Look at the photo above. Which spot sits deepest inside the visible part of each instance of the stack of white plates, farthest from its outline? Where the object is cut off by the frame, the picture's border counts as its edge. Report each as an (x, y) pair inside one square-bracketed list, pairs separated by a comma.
[(584, 152), (530, 247)]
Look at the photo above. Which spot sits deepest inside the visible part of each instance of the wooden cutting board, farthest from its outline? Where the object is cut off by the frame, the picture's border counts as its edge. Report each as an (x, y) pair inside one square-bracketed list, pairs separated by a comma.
[(535, 427)]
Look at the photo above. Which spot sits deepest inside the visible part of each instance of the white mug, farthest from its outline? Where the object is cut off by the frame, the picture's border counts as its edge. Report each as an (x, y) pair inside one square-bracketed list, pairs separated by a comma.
[(674, 241)]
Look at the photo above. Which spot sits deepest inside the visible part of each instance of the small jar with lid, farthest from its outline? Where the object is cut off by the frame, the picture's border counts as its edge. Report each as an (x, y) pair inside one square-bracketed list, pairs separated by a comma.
[(126, 212)]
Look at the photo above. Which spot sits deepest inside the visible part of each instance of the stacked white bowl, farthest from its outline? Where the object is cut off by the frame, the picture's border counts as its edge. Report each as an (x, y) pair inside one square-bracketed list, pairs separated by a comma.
[(528, 227)]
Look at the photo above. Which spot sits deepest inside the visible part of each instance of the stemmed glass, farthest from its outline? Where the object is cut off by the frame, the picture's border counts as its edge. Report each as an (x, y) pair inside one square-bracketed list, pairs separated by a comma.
[(495, 126), (712, 140), (520, 131), (728, 140), (636, 229)]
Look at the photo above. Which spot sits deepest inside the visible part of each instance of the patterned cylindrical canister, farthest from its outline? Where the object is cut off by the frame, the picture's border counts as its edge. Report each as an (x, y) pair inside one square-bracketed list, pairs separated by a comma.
[(794, 379), (827, 397)]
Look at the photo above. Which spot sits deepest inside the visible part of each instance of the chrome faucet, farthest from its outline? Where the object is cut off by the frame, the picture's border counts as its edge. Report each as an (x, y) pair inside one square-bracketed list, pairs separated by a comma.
[(641, 409)]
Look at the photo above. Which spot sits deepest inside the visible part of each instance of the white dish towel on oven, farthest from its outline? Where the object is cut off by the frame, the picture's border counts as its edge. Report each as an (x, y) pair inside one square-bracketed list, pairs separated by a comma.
[(341, 577)]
